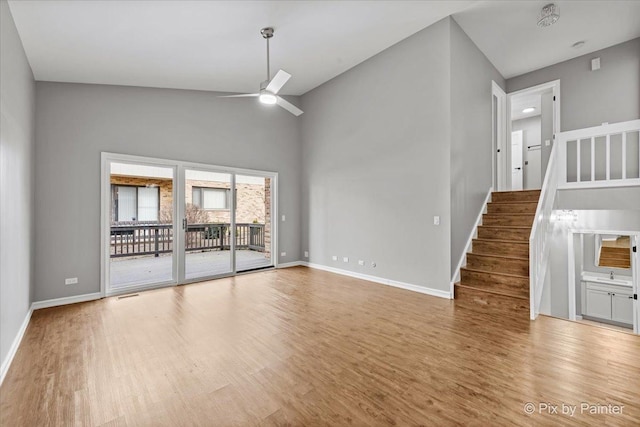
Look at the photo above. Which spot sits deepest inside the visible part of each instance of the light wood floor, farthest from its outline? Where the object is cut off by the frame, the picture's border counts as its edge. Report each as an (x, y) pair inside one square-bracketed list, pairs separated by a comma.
[(305, 347)]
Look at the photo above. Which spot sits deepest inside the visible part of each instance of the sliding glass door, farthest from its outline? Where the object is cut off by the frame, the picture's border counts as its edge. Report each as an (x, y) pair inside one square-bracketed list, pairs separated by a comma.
[(253, 222), (140, 225), (167, 222), (207, 224)]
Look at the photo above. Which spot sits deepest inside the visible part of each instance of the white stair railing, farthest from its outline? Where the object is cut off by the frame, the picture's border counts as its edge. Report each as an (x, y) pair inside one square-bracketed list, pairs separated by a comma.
[(600, 156), (540, 233)]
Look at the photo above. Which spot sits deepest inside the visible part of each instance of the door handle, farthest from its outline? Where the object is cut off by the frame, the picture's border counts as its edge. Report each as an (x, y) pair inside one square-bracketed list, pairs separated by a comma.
[(517, 169), (184, 224)]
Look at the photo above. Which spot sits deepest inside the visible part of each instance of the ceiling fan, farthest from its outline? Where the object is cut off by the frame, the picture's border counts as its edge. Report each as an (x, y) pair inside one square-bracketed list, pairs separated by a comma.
[(269, 88)]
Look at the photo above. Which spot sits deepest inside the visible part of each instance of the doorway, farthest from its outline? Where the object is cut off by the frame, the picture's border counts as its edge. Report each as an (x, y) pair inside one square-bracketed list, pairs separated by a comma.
[(166, 222), (603, 279), (532, 121)]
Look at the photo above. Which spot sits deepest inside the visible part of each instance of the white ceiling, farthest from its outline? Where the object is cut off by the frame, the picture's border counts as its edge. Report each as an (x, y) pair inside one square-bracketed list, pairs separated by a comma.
[(526, 100), (507, 31), (212, 45), (216, 45)]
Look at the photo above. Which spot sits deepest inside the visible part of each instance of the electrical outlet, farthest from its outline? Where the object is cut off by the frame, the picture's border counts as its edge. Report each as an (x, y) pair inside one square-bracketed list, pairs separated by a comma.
[(360, 262), (436, 220), (373, 264), (283, 254), (334, 258), (284, 218), (71, 281), (306, 254), (345, 259)]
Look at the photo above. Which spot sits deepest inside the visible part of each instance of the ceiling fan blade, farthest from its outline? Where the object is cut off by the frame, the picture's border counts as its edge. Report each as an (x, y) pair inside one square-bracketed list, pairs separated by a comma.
[(244, 95), (278, 81), (289, 106)]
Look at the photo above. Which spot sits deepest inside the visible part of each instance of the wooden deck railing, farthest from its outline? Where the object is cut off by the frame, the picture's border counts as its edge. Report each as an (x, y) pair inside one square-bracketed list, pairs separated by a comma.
[(155, 239)]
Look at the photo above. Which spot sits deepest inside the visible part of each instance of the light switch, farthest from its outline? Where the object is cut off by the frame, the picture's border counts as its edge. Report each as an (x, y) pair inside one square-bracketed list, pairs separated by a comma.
[(547, 142)]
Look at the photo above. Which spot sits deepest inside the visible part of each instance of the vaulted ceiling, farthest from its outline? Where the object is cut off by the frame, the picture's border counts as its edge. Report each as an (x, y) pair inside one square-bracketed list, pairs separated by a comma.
[(216, 45)]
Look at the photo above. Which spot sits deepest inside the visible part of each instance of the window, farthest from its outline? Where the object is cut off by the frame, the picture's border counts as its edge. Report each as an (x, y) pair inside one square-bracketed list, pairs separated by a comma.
[(132, 203), (210, 198)]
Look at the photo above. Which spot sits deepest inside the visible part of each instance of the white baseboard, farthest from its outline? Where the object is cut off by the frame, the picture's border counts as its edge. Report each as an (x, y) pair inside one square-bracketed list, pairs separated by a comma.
[(66, 300), (290, 264), (6, 363), (463, 257), (408, 286)]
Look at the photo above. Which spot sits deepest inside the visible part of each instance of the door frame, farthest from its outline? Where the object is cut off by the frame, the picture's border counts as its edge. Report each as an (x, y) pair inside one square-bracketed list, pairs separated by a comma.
[(178, 193), (554, 85), (571, 276), (498, 138)]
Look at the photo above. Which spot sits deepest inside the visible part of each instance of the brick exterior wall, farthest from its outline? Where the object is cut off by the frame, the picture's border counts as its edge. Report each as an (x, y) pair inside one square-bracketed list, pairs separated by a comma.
[(254, 201)]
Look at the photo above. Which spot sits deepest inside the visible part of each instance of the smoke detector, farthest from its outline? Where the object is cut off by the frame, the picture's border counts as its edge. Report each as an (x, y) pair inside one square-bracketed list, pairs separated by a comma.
[(549, 15)]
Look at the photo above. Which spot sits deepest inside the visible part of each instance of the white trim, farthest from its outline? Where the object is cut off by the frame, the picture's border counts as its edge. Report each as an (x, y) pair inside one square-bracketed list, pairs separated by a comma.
[(407, 286), (571, 270), (571, 274), (65, 300), (179, 167), (6, 363), (498, 141), (472, 235), (554, 85), (290, 264)]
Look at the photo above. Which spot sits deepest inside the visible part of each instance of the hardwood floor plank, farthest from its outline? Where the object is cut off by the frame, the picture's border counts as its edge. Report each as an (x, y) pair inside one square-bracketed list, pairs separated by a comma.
[(307, 347)]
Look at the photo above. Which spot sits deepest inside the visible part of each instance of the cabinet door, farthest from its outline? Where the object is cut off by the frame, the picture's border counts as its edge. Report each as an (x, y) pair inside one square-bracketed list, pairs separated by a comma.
[(598, 304), (622, 308)]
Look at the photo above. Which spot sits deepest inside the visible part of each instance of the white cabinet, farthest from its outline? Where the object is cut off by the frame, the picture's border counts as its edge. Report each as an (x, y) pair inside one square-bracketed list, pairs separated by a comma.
[(598, 303), (607, 302), (622, 308)]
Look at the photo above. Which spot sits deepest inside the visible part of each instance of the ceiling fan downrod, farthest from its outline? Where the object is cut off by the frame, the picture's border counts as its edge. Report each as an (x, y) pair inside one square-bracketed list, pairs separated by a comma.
[(267, 33)]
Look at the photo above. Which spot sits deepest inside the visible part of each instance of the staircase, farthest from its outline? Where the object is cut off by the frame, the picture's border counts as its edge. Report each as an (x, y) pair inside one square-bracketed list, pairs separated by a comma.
[(496, 277)]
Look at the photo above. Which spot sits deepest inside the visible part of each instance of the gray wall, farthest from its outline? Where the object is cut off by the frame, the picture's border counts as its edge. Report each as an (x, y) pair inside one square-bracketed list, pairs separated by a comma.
[(17, 108), (471, 147), (376, 161), (75, 122), (589, 98), (531, 128), (621, 198)]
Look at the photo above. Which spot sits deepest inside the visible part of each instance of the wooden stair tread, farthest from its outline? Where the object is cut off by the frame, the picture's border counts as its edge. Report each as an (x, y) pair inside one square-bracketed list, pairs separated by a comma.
[(491, 291), (499, 256), (520, 242), (520, 227), (516, 191), (498, 273), (511, 213), (514, 202)]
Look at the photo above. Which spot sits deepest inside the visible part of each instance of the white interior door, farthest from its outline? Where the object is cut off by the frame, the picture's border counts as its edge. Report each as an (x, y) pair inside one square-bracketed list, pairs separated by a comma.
[(516, 160)]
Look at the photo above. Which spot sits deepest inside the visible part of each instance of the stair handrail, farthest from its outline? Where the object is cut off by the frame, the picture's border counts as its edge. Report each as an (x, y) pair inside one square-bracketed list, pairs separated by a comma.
[(540, 234)]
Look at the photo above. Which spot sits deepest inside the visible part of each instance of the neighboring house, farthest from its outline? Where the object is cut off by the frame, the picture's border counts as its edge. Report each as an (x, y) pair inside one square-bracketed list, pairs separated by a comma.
[(145, 199)]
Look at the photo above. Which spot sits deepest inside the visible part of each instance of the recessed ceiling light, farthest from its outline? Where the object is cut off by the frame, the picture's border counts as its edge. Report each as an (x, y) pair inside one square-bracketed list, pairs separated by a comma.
[(578, 45), (529, 110)]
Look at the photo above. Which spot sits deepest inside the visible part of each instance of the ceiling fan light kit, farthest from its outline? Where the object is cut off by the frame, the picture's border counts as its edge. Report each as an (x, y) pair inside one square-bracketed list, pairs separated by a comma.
[(268, 94)]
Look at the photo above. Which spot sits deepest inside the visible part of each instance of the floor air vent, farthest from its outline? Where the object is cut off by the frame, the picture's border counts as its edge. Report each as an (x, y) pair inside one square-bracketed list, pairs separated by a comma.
[(128, 296)]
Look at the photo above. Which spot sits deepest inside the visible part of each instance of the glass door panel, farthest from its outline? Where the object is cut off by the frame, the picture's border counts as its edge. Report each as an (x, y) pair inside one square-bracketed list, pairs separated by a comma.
[(207, 224), (140, 244), (253, 222)]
